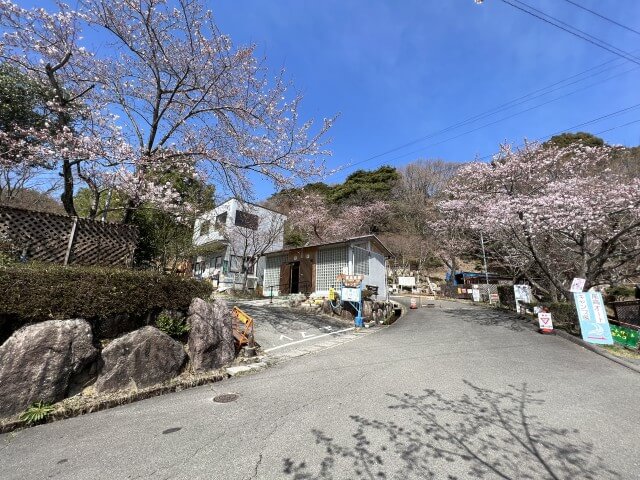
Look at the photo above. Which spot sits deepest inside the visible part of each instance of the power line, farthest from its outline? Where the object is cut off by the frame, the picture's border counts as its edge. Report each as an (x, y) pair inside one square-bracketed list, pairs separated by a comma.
[(475, 129), (617, 126), (593, 40), (583, 124), (602, 16), (502, 107), (519, 100)]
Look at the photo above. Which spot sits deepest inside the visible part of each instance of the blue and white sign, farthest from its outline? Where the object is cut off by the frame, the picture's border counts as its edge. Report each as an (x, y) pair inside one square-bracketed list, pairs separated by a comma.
[(594, 324), (351, 294)]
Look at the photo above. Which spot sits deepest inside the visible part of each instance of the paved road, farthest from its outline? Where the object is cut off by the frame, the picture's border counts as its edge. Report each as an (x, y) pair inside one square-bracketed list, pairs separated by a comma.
[(452, 392)]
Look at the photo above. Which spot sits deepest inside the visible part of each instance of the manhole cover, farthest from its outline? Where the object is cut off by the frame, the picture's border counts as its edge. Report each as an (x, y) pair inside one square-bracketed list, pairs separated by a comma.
[(226, 398)]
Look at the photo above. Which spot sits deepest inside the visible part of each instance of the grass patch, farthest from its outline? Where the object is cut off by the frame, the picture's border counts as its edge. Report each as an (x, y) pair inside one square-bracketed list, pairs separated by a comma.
[(623, 352)]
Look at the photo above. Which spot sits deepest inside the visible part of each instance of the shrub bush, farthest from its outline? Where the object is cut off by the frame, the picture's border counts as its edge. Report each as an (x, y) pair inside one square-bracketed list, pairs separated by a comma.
[(621, 291), (507, 296), (564, 316), (172, 324), (114, 301)]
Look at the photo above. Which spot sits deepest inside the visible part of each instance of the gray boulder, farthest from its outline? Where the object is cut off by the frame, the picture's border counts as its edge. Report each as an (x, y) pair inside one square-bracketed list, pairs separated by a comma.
[(326, 307), (140, 359), (40, 362), (211, 343), (367, 309)]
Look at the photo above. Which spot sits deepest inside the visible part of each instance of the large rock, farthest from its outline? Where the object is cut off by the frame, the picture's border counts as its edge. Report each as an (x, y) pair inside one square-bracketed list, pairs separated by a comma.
[(211, 343), (367, 309), (40, 362), (140, 359)]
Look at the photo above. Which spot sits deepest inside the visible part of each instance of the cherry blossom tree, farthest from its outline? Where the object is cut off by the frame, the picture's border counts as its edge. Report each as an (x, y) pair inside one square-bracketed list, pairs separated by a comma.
[(166, 87), (313, 216), (78, 136), (186, 93), (555, 212)]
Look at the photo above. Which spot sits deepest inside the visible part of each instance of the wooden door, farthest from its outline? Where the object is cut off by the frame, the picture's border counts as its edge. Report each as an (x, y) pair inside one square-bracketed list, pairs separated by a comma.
[(306, 280), (285, 278)]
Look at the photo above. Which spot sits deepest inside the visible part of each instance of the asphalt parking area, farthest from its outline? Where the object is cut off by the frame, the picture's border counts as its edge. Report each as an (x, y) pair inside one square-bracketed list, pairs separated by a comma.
[(279, 328)]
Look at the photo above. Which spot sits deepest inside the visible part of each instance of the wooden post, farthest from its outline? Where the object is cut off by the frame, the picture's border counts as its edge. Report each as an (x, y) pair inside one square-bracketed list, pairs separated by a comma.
[(72, 237)]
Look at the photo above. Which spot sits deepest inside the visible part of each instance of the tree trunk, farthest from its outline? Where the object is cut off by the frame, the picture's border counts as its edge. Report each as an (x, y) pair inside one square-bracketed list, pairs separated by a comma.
[(67, 194)]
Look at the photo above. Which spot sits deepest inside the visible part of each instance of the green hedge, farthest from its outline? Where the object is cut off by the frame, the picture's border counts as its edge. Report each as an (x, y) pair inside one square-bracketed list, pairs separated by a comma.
[(113, 300)]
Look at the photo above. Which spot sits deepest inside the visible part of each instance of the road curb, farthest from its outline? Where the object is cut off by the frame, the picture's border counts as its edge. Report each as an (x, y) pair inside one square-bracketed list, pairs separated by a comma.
[(599, 351)]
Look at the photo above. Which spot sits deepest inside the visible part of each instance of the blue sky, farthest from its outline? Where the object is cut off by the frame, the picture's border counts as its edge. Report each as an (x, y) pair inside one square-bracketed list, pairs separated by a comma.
[(398, 71)]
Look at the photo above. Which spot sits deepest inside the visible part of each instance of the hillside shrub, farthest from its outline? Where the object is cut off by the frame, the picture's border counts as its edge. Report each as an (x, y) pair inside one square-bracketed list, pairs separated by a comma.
[(114, 301)]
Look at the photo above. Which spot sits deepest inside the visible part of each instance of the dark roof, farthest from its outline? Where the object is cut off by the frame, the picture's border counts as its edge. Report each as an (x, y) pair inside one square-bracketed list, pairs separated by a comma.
[(338, 242)]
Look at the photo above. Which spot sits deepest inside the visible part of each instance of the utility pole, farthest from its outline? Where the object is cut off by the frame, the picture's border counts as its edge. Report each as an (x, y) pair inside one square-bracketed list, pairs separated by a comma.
[(486, 274)]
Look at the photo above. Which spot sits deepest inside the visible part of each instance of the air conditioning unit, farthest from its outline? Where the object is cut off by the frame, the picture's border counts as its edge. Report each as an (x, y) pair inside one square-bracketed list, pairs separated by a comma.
[(252, 282)]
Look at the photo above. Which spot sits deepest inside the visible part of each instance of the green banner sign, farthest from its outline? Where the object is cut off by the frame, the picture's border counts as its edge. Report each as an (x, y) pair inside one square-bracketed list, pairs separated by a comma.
[(625, 336)]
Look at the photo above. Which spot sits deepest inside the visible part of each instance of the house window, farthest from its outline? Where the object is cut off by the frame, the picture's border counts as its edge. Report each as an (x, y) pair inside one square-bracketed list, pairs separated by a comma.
[(331, 261), (360, 261), (221, 220), (246, 220), (235, 264), (204, 227), (272, 272), (218, 262)]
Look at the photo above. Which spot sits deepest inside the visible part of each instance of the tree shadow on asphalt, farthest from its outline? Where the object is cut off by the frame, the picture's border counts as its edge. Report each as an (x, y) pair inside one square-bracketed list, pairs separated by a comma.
[(484, 434), (489, 318)]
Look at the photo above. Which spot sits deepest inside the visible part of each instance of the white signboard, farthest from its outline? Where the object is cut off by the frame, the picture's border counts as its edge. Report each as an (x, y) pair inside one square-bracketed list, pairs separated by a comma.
[(476, 293), (544, 319), (577, 285), (522, 293), (407, 281), (350, 294)]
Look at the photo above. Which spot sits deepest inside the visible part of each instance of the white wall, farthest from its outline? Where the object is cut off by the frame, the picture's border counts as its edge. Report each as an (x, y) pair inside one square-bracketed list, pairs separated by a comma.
[(267, 219)]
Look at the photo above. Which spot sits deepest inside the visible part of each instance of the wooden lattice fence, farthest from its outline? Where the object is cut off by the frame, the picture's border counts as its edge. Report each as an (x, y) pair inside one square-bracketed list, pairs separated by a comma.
[(53, 238)]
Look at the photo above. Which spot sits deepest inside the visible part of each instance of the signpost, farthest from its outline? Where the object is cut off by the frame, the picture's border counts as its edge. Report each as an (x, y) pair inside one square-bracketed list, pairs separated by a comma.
[(476, 293), (351, 291), (545, 322), (522, 293), (407, 281), (577, 285), (594, 324), (351, 294)]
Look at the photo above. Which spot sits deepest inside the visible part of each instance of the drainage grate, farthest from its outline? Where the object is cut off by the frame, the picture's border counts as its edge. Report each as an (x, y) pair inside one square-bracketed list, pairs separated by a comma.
[(226, 398)]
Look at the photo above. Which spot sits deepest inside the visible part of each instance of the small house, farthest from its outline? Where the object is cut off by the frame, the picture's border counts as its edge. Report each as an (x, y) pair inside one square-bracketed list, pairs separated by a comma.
[(314, 269), (231, 241)]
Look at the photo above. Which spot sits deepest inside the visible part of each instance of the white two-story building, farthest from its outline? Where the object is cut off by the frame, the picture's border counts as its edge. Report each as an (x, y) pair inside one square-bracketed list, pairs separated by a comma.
[(233, 239)]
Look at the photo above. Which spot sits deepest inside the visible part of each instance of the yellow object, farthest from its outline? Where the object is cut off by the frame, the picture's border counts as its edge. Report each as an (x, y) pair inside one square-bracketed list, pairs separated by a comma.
[(332, 294), (240, 315), (242, 333)]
